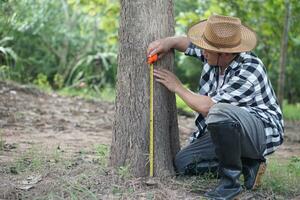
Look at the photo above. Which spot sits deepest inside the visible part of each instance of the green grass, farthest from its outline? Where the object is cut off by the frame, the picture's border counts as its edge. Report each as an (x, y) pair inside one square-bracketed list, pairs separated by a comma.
[(291, 111), (73, 189), (31, 160), (102, 153), (283, 178), (76, 191), (106, 94), (34, 160)]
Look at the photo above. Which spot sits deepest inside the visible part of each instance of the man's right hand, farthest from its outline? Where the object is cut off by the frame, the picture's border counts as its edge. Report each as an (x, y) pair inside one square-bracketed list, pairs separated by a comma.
[(163, 46), (159, 47)]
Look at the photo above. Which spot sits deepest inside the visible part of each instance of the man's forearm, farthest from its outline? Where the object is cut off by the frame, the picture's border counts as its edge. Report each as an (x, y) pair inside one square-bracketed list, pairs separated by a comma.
[(198, 103), (179, 43)]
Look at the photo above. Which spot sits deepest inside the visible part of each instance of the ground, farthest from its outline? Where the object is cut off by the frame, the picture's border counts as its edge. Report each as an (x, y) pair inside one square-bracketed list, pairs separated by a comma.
[(53, 147)]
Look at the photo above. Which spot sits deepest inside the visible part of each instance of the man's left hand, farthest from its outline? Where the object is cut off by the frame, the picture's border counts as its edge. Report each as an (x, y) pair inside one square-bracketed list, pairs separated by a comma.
[(168, 79)]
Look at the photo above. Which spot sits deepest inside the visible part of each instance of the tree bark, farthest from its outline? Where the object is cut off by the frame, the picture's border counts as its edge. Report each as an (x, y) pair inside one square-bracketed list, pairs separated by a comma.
[(141, 22), (283, 53)]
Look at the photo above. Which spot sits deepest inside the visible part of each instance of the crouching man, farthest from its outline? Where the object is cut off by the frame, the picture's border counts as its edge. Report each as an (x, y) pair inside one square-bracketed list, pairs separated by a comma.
[(239, 121)]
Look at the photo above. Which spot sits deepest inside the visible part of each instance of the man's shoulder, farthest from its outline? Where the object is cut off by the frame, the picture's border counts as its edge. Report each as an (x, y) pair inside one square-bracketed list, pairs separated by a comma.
[(250, 59), (251, 63)]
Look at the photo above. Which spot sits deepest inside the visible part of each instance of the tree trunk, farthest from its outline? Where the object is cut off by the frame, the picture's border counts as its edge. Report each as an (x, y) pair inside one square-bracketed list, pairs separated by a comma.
[(142, 22), (283, 53)]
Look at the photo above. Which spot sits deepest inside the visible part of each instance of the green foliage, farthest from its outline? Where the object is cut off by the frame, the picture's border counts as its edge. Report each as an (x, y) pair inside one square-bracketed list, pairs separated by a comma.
[(188, 70), (6, 52), (62, 37), (7, 58)]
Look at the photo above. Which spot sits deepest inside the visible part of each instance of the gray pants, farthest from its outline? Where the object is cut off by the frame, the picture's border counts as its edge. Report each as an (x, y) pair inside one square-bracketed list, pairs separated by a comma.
[(201, 153)]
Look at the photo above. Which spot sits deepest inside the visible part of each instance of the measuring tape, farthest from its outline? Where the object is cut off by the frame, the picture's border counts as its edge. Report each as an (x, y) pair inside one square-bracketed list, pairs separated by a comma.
[(151, 60)]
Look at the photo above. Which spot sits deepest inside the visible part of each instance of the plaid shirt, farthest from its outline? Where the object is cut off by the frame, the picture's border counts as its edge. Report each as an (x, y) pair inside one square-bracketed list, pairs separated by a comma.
[(245, 85)]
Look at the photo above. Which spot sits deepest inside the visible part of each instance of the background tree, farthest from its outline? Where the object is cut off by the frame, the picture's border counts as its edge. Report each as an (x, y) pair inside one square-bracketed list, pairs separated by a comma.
[(142, 22), (283, 53)]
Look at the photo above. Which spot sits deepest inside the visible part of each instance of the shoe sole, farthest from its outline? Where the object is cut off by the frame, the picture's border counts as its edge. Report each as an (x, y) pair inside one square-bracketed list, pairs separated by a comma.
[(260, 173)]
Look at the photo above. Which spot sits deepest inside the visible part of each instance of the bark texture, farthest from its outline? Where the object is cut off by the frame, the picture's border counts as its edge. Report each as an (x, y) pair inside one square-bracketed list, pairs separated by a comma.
[(141, 22)]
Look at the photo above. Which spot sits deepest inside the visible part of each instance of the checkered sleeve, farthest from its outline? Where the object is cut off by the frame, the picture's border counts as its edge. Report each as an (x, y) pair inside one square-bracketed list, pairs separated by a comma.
[(194, 51)]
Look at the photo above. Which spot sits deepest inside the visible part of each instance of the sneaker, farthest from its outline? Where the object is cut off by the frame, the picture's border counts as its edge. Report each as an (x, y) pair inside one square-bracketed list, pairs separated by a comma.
[(253, 170)]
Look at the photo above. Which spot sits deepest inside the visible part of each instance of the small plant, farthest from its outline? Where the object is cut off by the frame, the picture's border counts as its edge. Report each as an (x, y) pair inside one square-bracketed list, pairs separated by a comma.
[(19, 115), (2, 142), (116, 190), (150, 195), (42, 81), (102, 152), (4, 72), (58, 81), (124, 172), (57, 155)]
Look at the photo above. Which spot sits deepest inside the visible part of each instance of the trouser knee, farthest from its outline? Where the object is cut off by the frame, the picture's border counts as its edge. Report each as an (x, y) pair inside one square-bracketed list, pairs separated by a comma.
[(219, 117), (219, 113)]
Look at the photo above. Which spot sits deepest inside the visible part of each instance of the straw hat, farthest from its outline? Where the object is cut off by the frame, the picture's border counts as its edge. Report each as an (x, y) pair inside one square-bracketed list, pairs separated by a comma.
[(222, 34)]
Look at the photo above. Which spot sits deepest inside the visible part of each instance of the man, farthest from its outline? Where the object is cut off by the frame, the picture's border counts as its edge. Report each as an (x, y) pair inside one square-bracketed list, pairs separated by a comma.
[(239, 120)]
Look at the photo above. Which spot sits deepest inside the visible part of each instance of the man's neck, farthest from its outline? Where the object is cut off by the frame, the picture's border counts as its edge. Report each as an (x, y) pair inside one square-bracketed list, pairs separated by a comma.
[(226, 64)]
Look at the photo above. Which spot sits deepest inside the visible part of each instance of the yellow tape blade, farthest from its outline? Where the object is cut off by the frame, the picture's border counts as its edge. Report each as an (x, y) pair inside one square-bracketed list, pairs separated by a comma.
[(151, 143)]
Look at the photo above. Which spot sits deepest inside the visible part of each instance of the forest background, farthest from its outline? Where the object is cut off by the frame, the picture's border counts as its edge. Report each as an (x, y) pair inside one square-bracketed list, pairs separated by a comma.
[(71, 45)]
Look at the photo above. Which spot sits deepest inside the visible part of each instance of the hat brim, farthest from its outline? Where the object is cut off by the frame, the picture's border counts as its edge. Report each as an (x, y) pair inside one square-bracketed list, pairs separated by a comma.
[(248, 39)]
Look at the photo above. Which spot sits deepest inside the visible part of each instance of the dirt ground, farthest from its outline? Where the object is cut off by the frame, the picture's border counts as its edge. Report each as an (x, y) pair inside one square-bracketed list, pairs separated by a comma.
[(35, 124)]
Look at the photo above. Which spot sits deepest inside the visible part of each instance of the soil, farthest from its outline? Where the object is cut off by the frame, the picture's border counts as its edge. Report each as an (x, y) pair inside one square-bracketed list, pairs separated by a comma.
[(31, 120)]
